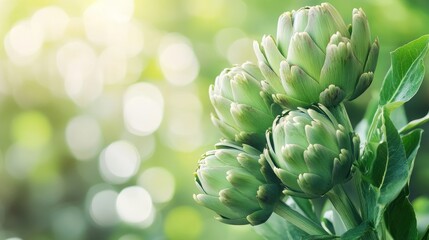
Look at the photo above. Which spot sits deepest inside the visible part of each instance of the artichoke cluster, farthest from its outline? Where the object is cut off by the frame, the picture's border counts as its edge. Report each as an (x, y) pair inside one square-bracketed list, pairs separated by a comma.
[(285, 133)]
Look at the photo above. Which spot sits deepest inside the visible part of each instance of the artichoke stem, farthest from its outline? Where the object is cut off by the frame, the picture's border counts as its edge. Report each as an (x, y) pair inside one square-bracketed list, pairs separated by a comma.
[(300, 221), (344, 207)]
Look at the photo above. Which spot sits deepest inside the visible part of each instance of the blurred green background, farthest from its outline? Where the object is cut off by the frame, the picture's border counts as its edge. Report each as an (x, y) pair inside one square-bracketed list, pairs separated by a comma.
[(104, 109)]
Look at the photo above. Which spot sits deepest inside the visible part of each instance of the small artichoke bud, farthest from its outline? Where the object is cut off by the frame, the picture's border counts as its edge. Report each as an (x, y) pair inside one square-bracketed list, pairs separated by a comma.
[(238, 184), (243, 110), (312, 150), (316, 58)]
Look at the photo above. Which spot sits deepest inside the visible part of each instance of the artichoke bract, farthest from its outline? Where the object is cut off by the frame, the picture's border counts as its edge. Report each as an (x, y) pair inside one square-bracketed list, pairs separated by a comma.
[(311, 150), (316, 58), (243, 110), (237, 183)]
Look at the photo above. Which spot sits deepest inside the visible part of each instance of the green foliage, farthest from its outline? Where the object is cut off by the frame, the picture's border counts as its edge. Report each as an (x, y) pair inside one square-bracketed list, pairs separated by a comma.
[(406, 74), (390, 152), (358, 232), (396, 171), (400, 217), (278, 228)]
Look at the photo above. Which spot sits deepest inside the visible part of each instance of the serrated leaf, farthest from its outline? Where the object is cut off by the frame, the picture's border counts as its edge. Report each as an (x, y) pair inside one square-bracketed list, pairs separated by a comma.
[(278, 228), (396, 174), (406, 73), (400, 217)]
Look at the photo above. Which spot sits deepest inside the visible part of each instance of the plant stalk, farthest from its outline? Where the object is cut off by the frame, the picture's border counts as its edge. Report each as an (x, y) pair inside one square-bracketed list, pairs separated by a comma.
[(300, 221), (344, 206)]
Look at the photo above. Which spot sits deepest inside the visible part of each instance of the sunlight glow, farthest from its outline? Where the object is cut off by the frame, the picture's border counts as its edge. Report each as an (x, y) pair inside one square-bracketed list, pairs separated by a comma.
[(241, 51), (163, 190), (102, 15), (53, 22), (112, 66), (177, 60), (23, 42), (102, 208), (143, 108), (119, 161), (134, 205), (184, 127), (83, 137), (225, 37), (76, 62)]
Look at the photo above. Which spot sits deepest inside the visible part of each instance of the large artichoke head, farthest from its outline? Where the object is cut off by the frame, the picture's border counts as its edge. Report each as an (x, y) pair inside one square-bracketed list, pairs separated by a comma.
[(316, 58), (311, 151), (238, 184), (243, 110)]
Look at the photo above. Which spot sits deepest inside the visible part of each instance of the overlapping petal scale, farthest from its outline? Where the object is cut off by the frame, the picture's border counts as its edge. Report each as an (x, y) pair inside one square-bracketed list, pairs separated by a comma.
[(312, 150), (314, 43), (236, 182)]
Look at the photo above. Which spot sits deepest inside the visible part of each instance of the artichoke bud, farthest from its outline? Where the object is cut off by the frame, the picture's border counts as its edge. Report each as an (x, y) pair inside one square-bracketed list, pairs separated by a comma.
[(371, 61), (313, 51), (332, 95), (237, 183), (312, 150), (242, 110), (271, 77), (360, 35)]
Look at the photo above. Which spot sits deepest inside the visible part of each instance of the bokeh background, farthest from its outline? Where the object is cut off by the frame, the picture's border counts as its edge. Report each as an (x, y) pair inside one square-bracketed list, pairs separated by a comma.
[(104, 109)]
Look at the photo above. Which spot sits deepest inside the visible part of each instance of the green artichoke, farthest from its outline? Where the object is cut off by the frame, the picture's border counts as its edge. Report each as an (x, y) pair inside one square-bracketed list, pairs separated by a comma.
[(237, 183), (311, 150), (243, 110), (316, 58)]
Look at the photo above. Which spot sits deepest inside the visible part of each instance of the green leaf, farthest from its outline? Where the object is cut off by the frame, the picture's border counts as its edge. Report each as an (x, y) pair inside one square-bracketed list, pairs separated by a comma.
[(415, 124), (391, 164), (411, 142), (324, 237), (406, 73), (370, 208), (330, 214), (358, 232), (278, 228), (306, 207), (399, 117), (396, 174), (366, 160), (400, 217), (379, 166)]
